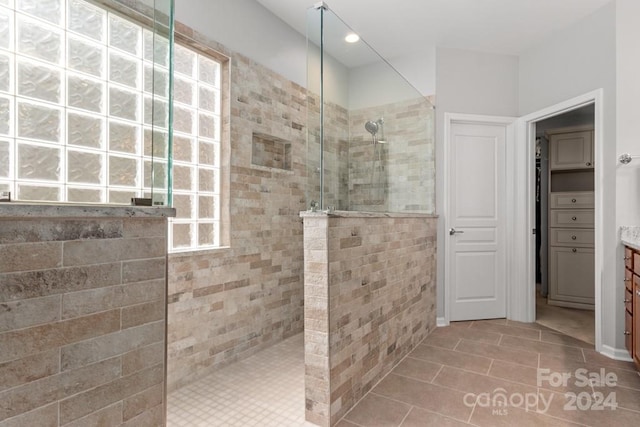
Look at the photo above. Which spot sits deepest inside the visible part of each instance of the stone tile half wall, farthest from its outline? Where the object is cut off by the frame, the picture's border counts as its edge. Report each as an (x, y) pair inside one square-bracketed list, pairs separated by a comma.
[(369, 300), (82, 321)]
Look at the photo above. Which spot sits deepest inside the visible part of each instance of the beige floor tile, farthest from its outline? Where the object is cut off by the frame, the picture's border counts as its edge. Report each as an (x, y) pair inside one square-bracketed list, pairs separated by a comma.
[(556, 338), (418, 369), (569, 321), (627, 398), (378, 411), (532, 334), (514, 372), (468, 334), (452, 358), (542, 347), (565, 408), (623, 377), (445, 341), (498, 352), (591, 356), (421, 418), (501, 321), (462, 325), (434, 398), (480, 385), (509, 417), (532, 325)]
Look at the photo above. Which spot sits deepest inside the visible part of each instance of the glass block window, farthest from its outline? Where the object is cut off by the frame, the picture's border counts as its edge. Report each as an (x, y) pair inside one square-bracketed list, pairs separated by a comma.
[(76, 122), (196, 151)]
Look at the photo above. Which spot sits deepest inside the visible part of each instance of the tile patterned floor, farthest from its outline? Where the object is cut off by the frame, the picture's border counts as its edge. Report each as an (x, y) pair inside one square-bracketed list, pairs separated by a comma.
[(455, 375), (451, 379), (266, 389)]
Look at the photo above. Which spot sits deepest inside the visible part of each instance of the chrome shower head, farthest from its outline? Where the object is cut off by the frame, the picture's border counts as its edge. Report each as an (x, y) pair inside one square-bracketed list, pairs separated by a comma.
[(372, 127)]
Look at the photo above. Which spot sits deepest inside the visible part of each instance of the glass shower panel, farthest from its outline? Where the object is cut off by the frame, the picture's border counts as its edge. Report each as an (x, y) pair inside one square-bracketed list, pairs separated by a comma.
[(370, 132), (85, 85)]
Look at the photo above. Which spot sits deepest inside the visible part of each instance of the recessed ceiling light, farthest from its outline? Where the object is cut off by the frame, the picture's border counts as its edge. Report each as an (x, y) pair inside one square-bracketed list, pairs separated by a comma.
[(352, 38)]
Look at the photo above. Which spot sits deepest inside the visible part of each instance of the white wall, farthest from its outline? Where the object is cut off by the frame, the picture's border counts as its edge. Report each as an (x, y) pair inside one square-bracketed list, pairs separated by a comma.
[(403, 78), (419, 69), (473, 83), (572, 62), (628, 111), (378, 84), (248, 28), (577, 60), (627, 178)]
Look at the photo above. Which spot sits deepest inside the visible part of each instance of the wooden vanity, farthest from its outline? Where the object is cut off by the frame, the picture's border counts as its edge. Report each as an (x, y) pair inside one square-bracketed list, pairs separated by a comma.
[(632, 302)]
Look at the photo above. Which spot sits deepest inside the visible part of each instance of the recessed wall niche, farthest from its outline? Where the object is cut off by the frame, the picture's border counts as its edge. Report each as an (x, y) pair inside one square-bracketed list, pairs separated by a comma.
[(270, 152)]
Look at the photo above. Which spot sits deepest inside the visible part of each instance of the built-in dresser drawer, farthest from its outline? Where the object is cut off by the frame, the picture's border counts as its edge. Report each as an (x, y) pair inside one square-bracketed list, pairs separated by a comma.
[(636, 262), (628, 279), (628, 300), (577, 200), (628, 258), (571, 237), (572, 218)]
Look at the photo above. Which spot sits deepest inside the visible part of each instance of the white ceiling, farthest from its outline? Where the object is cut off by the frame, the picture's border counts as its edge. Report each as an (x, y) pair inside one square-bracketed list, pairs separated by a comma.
[(405, 27)]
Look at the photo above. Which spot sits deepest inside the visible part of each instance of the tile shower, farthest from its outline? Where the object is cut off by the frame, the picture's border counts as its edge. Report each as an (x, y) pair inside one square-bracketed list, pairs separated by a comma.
[(225, 305)]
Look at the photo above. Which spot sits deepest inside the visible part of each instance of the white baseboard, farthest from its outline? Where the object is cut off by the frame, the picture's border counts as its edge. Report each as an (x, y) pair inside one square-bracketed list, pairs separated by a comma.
[(616, 353), (440, 322)]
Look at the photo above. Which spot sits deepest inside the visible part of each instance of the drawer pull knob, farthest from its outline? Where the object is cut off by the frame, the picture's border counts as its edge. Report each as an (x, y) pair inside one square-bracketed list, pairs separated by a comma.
[(627, 333), (574, 218), (573, 237), (627, 258), (627, 279), (573, 200), (574, 250), (638, 293), (588, 163), (626, 300)]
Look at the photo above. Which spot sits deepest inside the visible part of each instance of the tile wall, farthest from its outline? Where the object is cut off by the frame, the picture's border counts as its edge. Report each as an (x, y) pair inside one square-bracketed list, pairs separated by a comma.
[(398, 175), (226, 304), (369, 300), (82, 321)]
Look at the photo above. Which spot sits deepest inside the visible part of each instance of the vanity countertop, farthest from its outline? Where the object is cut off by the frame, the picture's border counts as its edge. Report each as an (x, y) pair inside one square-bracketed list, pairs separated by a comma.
[(630, 236)]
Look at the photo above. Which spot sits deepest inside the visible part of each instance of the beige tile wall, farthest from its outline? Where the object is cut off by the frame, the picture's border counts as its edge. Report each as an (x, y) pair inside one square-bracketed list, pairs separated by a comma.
[(82, 321), (336, 153), (399, 175), (226, 304), (369, 300)]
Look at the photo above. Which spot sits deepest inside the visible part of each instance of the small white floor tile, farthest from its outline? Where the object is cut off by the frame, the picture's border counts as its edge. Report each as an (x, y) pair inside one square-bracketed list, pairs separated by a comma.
[(266, 389)]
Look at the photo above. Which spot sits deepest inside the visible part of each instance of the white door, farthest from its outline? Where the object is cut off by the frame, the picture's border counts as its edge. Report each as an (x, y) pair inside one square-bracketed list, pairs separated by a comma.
[(476, 217)]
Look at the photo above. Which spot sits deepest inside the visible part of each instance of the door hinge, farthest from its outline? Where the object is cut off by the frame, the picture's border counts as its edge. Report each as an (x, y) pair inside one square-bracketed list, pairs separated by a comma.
[(533, 231)]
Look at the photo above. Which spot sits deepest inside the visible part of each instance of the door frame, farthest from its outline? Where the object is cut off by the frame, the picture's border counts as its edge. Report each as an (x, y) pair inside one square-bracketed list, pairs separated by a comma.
[(459, 118), (520, 153), (523, 304)]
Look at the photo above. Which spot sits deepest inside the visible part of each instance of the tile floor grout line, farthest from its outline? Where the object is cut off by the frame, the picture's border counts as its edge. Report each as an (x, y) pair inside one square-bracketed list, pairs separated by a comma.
[(437, 373), (457, 344), (406, 416), (490, 366), (385, 376), (415, 406), (472, 411)]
